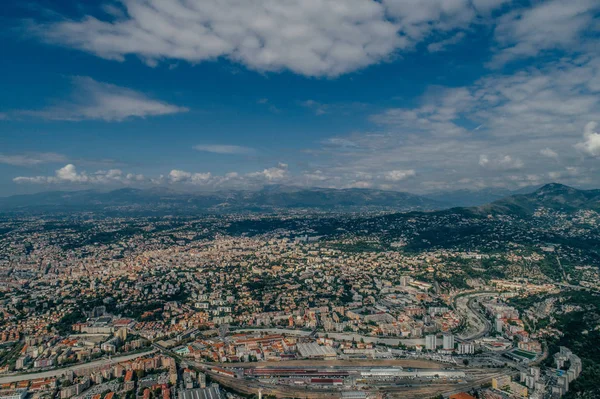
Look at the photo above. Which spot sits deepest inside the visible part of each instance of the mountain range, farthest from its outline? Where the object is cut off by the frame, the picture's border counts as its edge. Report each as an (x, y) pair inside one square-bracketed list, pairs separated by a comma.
[(270, 198), (275, 198), (552, 196)]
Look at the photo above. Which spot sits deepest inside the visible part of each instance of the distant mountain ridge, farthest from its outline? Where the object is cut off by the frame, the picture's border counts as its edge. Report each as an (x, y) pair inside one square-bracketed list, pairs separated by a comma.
[(270, 198), (552, 196), (469, 198), (275, 198)]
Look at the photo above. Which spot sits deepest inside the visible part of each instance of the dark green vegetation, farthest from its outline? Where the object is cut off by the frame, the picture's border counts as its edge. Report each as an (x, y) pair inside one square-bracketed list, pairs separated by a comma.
[(579, 331), (551, 196), (581, 335), (63, 327)]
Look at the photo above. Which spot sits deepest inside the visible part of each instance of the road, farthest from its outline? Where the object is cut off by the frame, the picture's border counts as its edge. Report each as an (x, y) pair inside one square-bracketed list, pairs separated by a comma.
[(466, 307), (410, 342), (59, 372), (405, 363), (487, 326)]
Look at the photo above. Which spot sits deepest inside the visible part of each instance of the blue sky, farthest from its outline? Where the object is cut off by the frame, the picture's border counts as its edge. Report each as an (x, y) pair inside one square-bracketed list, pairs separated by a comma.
[(409, 95)]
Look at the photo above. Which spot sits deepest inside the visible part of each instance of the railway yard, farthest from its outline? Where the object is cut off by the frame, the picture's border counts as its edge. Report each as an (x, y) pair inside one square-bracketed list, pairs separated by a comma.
[(332, 380)]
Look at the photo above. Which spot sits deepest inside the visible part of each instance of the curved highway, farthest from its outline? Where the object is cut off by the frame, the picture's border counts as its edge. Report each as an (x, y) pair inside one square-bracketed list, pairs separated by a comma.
[(482, 326), (61, 371)]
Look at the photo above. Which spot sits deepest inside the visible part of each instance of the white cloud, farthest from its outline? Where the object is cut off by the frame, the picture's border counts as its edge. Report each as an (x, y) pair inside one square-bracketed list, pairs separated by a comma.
[(548, 152), (398, 175), (313, 38), (272, 174), (31, 159), (444, 44), (591, 143), (418, 18), (505, 162), (316, 176), (484, 160), (318, 108), (548, 25), (92, 100), (359, 184), (229, 180), (179, 176), (224, 149), (339, 142), (569, 171), (69, 175), (320, 37), (554, 175), (519, 114), (436, 116)]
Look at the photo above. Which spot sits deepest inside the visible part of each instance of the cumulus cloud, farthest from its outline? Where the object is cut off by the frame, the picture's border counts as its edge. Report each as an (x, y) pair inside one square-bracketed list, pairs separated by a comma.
[(272, 174), (207, 180), (359, 184), (505, 162), (569, 171), (444, 44), (317, 107), (313, 38), (419, 18), (591, 143), (31, 159), (548, 152), (178, 176), (398, 175), (535, 110), (526, 32), (224, 149), (69, 175), (441, 107), (92, 100), (315, 176), (322, 37)]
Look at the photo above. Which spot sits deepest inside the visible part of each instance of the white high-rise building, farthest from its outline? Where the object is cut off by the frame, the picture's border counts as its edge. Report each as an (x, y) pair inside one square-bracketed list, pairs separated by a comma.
[(431, 342), (466, 349), (448, 342), (499, 325)]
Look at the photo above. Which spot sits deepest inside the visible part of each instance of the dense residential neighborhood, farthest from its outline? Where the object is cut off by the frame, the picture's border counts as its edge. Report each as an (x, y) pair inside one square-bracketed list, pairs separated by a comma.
[(152, 306)]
